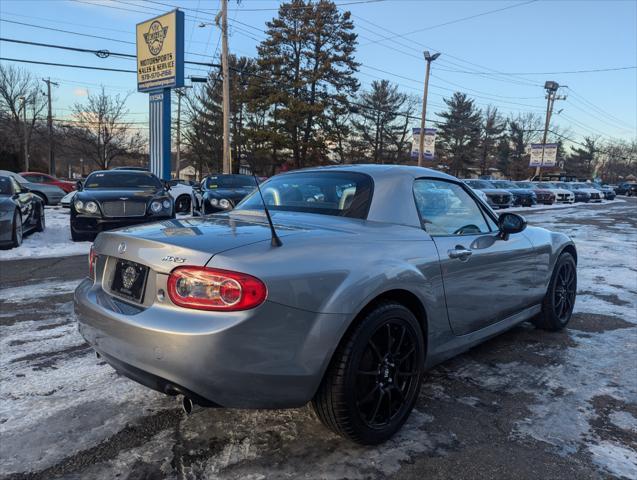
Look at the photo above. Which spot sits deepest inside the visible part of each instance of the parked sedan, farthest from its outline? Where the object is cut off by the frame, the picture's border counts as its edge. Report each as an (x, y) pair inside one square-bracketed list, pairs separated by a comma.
[(580, 195), (627, 188), (607, 190), (544, 196), (118, 198), (20, 212), (37, 177), (596, 195), (332, 295), (497, 197), (49, 194), (523, 197), (222, 192), (562, 195)]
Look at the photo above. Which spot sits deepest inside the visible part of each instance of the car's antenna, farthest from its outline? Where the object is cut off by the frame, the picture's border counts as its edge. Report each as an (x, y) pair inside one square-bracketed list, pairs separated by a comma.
[(276, 241)]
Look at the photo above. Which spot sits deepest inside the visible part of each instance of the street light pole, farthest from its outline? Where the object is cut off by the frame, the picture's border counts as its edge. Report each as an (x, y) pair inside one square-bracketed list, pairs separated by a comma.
[(421, 144), (551, 95)]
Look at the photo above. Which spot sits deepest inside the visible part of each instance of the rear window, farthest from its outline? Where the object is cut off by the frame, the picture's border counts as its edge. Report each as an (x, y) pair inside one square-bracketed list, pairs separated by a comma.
[(345, 194), (122, 179), (228, 181)]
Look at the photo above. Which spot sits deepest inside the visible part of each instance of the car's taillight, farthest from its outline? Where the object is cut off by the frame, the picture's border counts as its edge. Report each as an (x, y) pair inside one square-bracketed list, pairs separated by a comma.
[(212, 289), (92, 259)]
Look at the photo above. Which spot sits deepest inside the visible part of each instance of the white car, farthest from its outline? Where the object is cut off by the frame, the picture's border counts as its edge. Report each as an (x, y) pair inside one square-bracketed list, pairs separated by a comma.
[(562, 195), (187, 199)]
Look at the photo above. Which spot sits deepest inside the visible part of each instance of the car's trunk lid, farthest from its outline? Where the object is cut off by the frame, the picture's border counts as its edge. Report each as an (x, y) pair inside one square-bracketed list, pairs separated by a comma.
[(193, 241)]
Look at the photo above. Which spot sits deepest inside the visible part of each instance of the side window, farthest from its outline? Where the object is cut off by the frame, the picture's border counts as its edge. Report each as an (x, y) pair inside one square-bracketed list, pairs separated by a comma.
[(447, 209)]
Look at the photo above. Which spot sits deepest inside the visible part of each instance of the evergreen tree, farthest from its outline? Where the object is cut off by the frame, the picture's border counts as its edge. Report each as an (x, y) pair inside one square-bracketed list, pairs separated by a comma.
[(460, 132), (380, 123), (581, 161), (492, 129), (309, 56)]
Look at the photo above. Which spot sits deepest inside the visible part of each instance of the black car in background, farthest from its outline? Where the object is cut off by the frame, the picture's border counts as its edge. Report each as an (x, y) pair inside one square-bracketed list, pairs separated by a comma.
[(627, 188), (20, 212), (222, 192), (118, 198), (496, 197), (522, 197)]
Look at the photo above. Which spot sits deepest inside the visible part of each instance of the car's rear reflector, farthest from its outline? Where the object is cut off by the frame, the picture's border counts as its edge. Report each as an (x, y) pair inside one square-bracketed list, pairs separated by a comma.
[(205, 288)]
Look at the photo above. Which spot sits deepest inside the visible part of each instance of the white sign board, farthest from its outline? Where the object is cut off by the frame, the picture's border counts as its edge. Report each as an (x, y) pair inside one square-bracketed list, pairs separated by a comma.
[(543, 157), (429, 146)]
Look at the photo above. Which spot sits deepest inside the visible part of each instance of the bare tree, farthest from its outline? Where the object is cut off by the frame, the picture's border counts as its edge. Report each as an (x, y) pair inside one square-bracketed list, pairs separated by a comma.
[(101, 129), (18, 90)]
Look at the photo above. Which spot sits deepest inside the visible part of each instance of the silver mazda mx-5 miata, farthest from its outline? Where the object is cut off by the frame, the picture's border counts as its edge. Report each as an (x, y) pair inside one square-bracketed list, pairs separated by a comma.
[(365, 277)]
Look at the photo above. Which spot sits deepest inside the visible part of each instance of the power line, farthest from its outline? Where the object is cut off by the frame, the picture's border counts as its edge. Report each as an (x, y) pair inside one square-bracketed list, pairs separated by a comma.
[(450, 22), (611, 69)]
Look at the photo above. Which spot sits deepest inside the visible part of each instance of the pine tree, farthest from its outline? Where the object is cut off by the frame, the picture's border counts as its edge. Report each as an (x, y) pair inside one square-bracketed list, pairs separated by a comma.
[(491, 131), (581, 161), (460, 132), (309, 57)]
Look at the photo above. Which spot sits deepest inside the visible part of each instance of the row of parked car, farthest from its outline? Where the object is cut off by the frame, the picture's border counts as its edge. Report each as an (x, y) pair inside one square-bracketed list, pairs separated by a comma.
[(507, 193), (132, 195)]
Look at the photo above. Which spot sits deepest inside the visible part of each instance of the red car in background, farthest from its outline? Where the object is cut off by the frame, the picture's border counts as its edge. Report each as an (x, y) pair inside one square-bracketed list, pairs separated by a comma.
[(37, 177)]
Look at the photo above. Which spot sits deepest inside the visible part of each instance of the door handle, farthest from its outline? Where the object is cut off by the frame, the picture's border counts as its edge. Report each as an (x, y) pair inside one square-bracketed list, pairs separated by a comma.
[(460, 253)]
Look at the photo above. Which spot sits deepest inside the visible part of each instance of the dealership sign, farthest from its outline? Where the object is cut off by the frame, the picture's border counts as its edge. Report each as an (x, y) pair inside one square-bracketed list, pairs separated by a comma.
[(160, 52), (429, 143), (543, 157)]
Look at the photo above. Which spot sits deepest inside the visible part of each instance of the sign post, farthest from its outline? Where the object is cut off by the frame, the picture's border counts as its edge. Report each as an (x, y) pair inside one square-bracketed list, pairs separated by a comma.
[(543, 155), (429, 143), (160, 67)]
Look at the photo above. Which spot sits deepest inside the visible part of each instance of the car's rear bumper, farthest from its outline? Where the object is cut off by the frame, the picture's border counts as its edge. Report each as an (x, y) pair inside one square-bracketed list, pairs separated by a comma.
[(269, 357)]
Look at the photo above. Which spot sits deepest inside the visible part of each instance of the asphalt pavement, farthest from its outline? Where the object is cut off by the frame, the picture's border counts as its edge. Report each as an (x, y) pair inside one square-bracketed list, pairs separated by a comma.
[(528, 404)]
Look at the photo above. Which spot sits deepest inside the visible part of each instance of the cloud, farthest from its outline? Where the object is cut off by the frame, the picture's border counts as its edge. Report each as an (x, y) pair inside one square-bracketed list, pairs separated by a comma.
[(80, 92)]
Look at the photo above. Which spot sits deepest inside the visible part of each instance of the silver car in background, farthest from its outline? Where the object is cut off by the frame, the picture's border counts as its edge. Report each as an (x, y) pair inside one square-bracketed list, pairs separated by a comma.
[(365, 276), (49, 194)]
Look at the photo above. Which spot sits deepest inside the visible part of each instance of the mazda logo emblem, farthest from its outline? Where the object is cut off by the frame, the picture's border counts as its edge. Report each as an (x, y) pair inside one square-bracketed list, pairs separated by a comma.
[(121, 248)]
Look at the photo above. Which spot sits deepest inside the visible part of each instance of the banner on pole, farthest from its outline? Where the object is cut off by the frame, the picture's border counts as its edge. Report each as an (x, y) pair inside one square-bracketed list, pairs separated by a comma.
[(429, 143), (160, 52), (549, 154)]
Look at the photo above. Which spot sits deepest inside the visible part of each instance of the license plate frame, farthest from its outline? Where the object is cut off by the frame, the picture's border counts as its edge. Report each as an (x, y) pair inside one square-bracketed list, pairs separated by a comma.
[(132, 287)]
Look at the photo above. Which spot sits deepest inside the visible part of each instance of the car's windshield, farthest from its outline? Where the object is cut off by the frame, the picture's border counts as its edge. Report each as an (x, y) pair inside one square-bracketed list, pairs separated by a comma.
[(123, 179), (525, 185), (346, 194), (478, 184), (5, 186), (504, 184), (545, 185), (228, 181)]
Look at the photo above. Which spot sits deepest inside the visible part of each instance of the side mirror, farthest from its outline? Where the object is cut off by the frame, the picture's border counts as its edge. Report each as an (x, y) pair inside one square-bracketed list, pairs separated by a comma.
[(79, 185), (509, 223)]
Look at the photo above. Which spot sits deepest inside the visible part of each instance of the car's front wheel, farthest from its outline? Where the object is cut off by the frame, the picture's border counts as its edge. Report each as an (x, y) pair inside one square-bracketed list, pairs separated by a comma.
[(373, 380), (558, 303), (41, 223)]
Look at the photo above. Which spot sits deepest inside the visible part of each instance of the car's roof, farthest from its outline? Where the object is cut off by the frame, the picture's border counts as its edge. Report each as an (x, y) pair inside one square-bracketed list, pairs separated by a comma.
[(377, 171)]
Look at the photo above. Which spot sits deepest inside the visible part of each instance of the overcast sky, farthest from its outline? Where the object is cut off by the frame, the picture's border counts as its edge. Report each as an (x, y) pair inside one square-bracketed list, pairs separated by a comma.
[(501, 56)]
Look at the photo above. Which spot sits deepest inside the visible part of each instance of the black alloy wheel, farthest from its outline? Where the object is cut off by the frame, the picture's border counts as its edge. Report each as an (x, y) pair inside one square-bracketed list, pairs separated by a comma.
[(41, 223), (373, 380), (386, 374), (18, 231), (182, 204), (557, 307)]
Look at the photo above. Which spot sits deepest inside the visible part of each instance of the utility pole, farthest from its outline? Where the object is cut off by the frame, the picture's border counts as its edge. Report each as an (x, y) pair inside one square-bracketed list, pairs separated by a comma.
[(179, 94), (551, 95), (49, 121), (227, 161), (26, 139), (421, 145)]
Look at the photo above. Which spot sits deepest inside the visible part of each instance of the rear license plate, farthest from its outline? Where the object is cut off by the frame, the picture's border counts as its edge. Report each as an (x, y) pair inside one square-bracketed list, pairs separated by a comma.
[(129, 280)]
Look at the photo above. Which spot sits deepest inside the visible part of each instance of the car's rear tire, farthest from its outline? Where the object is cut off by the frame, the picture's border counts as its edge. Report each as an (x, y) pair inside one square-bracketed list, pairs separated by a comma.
[(41, 196), (558, 303), (373, 380), (18, 232)]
